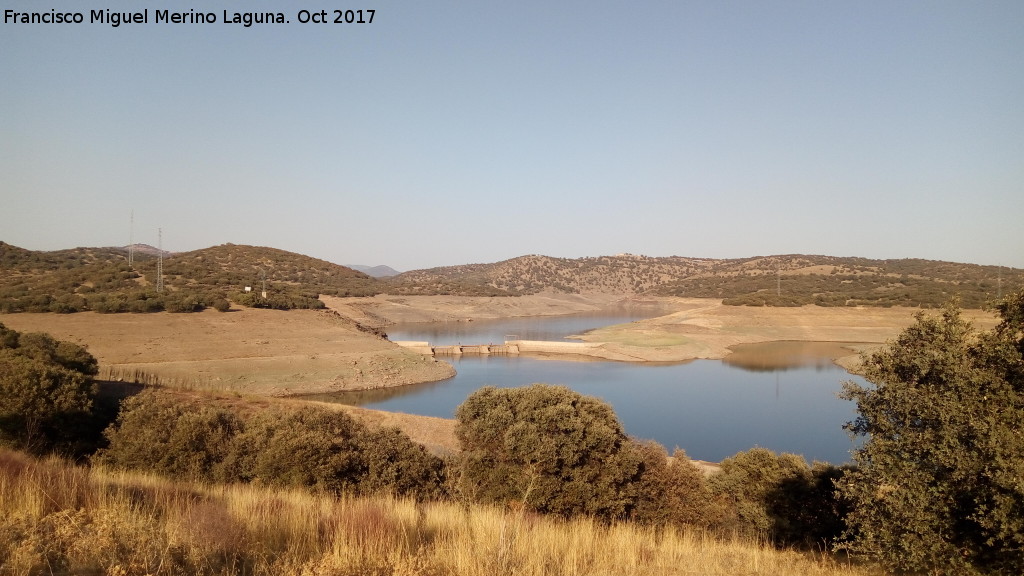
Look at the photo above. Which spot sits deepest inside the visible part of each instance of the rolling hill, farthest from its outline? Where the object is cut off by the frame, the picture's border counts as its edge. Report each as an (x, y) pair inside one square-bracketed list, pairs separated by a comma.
[(100, 279), (788, 280)]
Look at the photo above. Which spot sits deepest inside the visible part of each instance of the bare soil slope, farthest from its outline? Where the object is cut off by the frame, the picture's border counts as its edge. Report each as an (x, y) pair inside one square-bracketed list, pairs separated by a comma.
[(705, 328), (252, 351)]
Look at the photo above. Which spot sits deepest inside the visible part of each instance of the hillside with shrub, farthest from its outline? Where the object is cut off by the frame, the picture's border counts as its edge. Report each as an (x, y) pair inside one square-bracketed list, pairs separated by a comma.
[(101, 280), (789, 280)]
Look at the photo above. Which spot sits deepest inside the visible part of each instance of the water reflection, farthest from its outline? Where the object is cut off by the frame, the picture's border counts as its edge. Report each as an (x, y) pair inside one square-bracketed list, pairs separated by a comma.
[(789, 355)]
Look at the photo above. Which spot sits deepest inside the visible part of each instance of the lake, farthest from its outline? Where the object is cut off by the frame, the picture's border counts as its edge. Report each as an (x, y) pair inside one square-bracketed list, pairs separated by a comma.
[(777, 395)]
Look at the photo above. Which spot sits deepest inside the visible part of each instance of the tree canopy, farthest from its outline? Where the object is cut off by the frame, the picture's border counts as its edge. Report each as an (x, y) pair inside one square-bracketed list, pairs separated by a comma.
[(939, 483)]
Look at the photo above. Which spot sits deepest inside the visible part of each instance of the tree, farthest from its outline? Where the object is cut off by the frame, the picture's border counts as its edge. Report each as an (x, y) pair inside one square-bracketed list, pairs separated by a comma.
[(939, 482), (549, 448)]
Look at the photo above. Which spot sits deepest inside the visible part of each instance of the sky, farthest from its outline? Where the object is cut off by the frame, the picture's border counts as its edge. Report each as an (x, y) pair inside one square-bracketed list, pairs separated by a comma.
[(446, 133)]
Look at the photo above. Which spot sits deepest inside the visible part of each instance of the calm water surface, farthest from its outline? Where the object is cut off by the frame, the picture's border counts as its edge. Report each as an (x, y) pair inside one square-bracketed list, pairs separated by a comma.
[(780, 396)]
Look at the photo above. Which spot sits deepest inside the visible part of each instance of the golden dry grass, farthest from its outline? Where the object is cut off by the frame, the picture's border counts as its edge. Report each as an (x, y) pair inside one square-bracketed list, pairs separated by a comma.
[(59, 519)]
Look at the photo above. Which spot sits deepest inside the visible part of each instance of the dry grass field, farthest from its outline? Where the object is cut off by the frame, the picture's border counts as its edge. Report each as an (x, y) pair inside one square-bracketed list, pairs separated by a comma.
[(60, 519)]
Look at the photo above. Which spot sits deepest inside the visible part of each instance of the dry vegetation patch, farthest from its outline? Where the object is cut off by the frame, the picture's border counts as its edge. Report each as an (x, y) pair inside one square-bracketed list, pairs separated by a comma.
[(56, 519)]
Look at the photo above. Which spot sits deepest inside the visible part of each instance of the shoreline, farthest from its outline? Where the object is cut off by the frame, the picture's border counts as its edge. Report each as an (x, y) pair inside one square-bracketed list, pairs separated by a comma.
[(303, 352)]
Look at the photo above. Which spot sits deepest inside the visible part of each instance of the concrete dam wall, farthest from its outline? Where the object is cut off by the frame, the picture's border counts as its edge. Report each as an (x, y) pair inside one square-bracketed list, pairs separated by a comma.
[(509, 347)]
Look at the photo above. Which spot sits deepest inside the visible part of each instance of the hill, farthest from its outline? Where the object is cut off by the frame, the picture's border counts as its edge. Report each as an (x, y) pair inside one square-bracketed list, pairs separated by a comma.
[(375, 271), (788, 280), (101, 279)]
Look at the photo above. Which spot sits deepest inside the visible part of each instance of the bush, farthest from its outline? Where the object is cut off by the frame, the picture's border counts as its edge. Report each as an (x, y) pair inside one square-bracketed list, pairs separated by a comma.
[(321, 450), (549, 448), (748, 485), (46, 392), (161, 433), (673, 491), (309, 448)]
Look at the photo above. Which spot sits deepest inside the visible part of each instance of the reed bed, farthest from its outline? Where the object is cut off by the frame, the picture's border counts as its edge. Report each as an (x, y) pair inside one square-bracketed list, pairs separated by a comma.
[(56, 518)]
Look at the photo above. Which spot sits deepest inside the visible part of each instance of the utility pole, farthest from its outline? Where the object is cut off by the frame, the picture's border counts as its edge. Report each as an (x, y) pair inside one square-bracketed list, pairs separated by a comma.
[(131, 242), (160, 260)]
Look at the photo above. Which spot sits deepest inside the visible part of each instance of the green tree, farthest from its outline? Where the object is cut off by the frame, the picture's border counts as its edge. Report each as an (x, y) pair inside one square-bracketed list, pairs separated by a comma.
[(549, 448), (939, 482)]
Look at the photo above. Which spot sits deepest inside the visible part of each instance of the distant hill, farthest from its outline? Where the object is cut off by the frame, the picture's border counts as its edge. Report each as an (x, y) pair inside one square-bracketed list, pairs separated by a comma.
[(787, 280), (375, 271), (145, 249), (100, 279)]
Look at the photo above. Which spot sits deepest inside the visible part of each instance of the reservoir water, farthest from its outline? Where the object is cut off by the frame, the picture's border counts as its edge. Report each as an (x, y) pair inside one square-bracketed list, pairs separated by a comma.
[(780, 396)]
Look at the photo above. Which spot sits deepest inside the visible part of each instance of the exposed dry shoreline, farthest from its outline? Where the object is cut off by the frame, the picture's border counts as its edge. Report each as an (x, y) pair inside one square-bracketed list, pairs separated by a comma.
[(276, 354), (696, 328)]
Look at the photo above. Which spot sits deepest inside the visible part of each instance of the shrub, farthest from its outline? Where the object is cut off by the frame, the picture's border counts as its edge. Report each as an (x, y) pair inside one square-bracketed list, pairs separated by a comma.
[(313, 448), (673, 491), (548, 447), (309, 448), (160, 433), (749, 484), (46, 392), (397, 465)]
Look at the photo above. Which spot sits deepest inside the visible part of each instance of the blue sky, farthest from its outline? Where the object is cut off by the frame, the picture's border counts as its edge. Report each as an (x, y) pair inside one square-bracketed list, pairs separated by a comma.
[(460, 132)]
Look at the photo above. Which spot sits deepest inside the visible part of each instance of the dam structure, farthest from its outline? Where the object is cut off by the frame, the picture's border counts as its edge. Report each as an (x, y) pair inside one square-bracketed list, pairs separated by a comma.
[(509, 347)]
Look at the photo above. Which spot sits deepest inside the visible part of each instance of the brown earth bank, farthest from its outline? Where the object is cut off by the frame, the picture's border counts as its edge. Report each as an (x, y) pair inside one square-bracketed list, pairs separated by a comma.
[(692, 328), (251, 351)]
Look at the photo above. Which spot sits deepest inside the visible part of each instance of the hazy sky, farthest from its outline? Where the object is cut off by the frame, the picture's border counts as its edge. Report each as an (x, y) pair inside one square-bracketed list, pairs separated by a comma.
[(461, 132)]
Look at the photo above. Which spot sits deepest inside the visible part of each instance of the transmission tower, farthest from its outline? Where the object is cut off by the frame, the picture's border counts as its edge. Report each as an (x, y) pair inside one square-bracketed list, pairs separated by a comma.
[(160, 260)]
